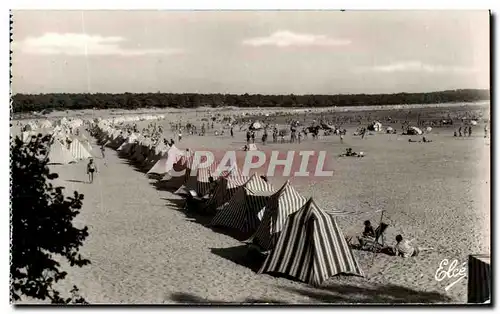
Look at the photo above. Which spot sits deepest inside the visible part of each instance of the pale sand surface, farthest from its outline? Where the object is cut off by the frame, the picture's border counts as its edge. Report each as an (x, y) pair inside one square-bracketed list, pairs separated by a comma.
[(144, 250)]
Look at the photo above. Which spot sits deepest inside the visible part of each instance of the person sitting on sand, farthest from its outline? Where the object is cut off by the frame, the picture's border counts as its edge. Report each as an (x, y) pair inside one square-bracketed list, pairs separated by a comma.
[(350, 153), (91, 168), (403, 248), (368, 234), (368, 231)]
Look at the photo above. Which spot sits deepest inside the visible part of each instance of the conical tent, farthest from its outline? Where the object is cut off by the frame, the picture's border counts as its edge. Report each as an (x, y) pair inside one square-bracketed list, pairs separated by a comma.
[(242, 210), (166, 163), (199, 180), (58, 154), (78, 151), (226, 187), (281, 204), (311, 248)]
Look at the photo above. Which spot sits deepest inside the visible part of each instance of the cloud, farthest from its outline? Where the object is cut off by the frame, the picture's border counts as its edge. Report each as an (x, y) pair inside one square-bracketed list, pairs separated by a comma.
[(82, 44), (416, 66), (288, 39)]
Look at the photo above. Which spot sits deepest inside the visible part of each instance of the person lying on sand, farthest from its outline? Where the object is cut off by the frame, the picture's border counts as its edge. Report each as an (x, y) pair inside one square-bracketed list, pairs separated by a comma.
[(350, 153), (426, 140)]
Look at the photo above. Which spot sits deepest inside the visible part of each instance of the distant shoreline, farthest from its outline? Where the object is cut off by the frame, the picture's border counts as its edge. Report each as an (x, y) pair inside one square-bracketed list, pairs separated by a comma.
[(86, 113)]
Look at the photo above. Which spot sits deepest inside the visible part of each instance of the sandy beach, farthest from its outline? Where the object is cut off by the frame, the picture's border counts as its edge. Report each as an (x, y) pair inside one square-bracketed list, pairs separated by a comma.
[(144, 249)]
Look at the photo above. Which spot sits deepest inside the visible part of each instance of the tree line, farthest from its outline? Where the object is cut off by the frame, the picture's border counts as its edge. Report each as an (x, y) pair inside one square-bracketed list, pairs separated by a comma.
[(49, 102)]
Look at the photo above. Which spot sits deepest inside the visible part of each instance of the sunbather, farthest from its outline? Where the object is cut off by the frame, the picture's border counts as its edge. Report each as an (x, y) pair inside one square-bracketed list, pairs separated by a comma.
[(404, 249)]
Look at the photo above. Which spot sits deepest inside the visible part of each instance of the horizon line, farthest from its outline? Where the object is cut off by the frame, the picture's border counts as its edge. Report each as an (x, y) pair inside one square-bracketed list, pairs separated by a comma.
[(252, 94)]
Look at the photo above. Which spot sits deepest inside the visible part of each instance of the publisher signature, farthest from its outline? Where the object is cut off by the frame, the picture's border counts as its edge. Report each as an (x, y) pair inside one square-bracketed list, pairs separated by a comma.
[(449, 270)]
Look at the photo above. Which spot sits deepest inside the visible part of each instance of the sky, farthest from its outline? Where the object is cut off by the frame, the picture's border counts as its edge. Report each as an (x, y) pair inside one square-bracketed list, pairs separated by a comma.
[(266, 52)]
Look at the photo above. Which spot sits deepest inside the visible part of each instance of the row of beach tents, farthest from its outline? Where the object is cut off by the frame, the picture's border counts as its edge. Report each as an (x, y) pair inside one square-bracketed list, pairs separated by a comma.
[(297, 237)]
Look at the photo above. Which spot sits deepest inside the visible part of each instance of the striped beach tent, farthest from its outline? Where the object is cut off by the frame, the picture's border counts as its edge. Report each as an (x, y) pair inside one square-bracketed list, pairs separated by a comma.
[(226, 186), (167, 161), (199, 180), (479, 279), (281, 204), (242, 211), (311, 248), (79, 151)]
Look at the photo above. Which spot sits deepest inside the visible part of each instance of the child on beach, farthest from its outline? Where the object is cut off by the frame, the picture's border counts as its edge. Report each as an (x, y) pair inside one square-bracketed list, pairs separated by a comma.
[(91, 168)]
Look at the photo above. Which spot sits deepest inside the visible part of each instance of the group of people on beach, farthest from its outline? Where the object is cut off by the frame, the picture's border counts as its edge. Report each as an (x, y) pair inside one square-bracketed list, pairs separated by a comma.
[(402, 248)]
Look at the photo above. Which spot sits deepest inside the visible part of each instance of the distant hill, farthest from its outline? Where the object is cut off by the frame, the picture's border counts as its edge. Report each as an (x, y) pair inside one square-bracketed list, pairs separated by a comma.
[(48, 102)]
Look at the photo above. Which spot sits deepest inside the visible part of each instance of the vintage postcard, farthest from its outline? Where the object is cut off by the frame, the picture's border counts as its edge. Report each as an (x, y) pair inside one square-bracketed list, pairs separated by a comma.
[(250, 157)]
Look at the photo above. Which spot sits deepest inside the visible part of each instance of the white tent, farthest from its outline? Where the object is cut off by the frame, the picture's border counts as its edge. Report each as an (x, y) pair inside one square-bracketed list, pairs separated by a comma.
[(78, 150), (58, 154), (428, 129), (46, 124)]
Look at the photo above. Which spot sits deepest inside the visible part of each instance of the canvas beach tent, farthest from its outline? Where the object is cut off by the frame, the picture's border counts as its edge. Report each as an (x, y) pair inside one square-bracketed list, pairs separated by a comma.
[(311, 248), (280, 205), (242, 211), (198, 181), (167, 161), (479, 278), (226, 186), (78, 150), (59, 154)]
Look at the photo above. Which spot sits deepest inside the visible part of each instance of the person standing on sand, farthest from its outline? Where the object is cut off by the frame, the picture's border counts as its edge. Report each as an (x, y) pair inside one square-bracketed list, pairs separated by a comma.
[(91, 168), (470, 130), (232, 132), (103, 155), (179, 136), (460, 131)]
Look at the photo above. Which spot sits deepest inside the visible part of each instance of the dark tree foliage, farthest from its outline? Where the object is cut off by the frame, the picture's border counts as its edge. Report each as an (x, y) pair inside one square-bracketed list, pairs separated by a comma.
[(47, 102), (41, 225)]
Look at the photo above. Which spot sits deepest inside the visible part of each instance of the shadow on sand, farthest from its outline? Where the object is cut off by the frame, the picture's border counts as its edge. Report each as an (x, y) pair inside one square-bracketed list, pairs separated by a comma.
[(77, 181), (242, 256), (188, 298), (336, 293), (344, 293), (203, 219)]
